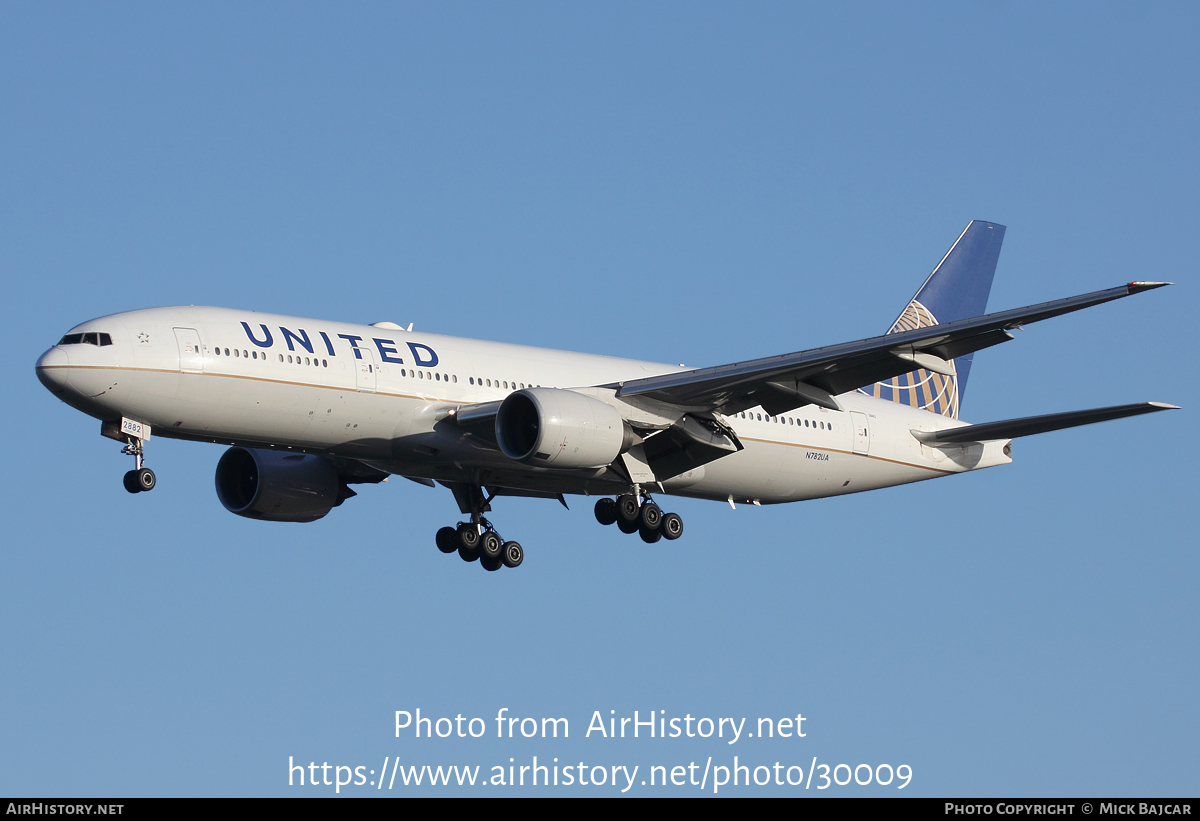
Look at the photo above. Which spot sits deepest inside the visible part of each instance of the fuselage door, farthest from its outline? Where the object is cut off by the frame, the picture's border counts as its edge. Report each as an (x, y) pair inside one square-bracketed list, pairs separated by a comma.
[(862, 432), (191, 355), (365, 371)]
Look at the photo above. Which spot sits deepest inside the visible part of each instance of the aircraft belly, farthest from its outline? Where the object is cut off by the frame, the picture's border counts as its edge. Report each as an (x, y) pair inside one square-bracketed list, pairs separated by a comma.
[(772, 472)]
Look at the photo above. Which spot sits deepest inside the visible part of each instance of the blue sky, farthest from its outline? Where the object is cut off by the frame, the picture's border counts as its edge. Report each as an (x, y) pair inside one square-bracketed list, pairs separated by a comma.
[(694, 183)]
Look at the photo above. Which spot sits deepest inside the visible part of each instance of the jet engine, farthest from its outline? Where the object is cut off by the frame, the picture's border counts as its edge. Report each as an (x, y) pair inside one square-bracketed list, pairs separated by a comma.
[(278, 487), (552, 427)]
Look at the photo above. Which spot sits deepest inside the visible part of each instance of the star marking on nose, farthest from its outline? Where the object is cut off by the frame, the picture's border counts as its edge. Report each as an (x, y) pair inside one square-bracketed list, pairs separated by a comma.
[(144, 338)]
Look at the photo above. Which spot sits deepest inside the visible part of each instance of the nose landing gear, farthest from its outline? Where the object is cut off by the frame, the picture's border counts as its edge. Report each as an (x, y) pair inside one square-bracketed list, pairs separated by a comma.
[(141, 477)]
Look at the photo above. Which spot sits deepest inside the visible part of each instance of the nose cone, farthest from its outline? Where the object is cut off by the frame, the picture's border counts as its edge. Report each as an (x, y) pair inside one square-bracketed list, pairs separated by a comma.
[(52, 370)]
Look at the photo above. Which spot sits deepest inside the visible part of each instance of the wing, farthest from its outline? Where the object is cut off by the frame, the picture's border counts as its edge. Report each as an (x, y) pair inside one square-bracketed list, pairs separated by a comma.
[(782, 383)]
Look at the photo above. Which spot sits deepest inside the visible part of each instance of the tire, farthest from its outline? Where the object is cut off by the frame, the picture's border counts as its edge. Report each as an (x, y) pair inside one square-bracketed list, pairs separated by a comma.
[(649, 536), (489, 545), (468, 536), (651, 516), (146, 479), (628, 509), (627, 527), (131, 482), (512, 554), (606, 511), (490, 563), (468, 542), (447, 540), (671, 527)]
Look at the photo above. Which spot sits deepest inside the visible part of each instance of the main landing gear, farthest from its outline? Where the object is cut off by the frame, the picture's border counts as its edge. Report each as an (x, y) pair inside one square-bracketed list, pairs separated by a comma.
[(141, 477), (477, 539), (480, 541), (637, 513)]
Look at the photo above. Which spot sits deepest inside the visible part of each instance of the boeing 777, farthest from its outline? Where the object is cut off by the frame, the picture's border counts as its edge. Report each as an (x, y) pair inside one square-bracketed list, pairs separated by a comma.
[(311, 407)]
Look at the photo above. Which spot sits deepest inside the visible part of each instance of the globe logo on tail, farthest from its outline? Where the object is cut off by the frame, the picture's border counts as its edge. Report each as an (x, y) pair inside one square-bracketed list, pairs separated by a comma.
[(920, 388)]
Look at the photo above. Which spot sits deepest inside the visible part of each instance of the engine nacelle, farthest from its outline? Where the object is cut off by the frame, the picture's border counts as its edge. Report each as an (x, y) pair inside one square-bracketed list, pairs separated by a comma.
[(552, 427), (277, 487)]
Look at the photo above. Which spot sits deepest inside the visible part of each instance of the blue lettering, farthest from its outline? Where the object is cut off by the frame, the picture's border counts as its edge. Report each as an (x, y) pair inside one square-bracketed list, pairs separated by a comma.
[(302, 339), (266, 333), (328, 344), (387, 346), (353, 340), (425, 363)]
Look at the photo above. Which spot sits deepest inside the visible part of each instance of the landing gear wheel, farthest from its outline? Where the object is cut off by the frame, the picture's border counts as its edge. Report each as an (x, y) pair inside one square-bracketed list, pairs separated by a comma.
[(468, 536), (651, 516), (512, 554), (627, 527), (489, 547), (131, 482), (671, 527), (447, 540), (490, 563), (145, 479), (606, 511), (649, 536), (468, 541), (628, 509)]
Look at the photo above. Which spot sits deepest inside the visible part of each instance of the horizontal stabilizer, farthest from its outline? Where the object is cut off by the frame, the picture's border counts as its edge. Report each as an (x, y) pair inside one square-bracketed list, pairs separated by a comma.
[(1012, 428)]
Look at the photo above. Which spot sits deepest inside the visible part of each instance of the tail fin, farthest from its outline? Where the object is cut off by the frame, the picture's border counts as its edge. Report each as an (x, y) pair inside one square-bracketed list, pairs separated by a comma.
[(957, 289)]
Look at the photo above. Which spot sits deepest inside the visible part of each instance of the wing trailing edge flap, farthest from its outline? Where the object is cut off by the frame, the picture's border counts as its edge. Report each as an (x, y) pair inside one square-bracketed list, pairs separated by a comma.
[(1030, 425), (783, 383), (688, 444)]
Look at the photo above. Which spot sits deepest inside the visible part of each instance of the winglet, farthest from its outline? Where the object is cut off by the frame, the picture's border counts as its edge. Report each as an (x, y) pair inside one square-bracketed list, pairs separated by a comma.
[(1138, 287)]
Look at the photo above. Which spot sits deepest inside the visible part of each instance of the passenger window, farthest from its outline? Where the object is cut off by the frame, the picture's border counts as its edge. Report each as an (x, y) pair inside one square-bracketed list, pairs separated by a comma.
[(324, 363), (217, 351), (281, 357), (438, 377), (489, 383), (235, 352), (455, 378)]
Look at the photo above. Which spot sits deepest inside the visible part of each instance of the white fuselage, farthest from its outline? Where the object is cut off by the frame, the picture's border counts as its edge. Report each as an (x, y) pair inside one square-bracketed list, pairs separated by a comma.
[(381, 395)]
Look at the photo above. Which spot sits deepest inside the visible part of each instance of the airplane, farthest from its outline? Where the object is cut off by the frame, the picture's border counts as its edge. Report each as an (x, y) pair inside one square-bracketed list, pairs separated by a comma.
[(311, 407)]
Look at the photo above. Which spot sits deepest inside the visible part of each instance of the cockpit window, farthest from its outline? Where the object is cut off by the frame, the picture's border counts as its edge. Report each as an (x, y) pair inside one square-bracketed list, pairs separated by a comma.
[(86, 339)]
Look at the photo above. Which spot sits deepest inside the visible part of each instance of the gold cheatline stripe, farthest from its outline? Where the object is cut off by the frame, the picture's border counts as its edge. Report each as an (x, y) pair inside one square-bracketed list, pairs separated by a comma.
[(846, 452), (424, 398), (251, 378)]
